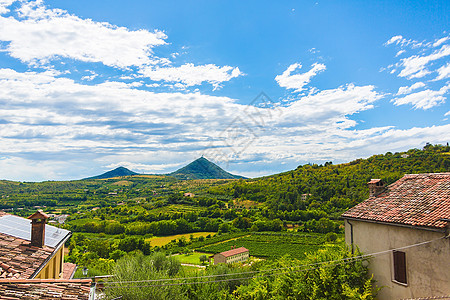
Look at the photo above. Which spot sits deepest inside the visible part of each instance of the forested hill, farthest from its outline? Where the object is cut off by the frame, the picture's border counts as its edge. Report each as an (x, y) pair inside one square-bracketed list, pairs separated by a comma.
[(117, 172), (202, 168), (334, 188)]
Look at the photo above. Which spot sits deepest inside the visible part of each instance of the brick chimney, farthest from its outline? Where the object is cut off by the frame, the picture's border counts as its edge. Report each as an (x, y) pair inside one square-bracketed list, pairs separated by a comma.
[(38, 220), (376, 187)]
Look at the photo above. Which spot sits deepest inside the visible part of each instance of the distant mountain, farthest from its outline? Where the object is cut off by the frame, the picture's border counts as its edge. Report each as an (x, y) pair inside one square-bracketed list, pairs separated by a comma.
[(203, 169), (120, 171)]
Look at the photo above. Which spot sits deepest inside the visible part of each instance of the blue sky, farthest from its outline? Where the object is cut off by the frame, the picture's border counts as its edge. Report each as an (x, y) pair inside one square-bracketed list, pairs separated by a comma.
[(259, 87)]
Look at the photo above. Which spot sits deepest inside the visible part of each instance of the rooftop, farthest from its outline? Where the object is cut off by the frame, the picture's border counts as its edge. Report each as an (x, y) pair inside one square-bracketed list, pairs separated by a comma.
[(45, 289), (234, 251), (415, 199), (18, 258), (69, 270)]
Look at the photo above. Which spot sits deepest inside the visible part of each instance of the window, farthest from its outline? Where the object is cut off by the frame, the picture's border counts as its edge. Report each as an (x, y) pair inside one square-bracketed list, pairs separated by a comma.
[(400, 267)]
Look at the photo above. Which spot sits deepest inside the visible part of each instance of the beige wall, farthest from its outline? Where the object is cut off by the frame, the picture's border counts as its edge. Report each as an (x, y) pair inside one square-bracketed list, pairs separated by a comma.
[(237, 257), (427, 266), (219, 258)]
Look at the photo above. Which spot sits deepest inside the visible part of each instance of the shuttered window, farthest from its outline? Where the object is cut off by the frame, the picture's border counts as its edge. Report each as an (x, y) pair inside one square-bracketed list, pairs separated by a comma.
[(400, 267)]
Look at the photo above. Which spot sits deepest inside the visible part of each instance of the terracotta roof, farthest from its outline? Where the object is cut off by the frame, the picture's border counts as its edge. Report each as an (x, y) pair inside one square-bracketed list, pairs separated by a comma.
[(414, 199), (45, 289), (18, 259), (69, 270), (234, 251), (374, 180)]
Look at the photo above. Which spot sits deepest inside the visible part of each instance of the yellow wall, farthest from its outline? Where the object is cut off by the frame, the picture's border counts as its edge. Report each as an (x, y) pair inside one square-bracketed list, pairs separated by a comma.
[(54, 268)]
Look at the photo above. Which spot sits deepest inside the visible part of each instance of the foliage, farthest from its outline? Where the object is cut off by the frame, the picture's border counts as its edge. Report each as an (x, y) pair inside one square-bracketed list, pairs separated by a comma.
[(312, 279), (139, 267), (318, 276)]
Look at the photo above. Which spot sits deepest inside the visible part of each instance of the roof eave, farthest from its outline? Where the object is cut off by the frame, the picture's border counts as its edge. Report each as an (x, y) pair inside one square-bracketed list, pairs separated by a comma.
[(60, 244), (435, 229)]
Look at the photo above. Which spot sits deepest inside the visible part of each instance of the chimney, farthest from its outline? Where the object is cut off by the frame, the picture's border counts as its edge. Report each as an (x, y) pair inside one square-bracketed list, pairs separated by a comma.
[(376, 187), (38, 220)]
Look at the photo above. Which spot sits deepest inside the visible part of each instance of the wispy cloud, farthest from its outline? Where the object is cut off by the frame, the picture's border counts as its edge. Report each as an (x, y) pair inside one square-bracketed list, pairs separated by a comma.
[(403, 90), (416, 66), (425, 99), (443, 72), (298, 81), (190, 75)]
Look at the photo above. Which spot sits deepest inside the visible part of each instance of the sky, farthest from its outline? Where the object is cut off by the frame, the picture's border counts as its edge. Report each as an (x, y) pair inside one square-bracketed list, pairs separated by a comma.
[(258, 87)]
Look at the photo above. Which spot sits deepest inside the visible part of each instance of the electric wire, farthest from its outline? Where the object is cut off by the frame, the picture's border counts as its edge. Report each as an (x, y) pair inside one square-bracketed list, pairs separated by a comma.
[(332, 263)]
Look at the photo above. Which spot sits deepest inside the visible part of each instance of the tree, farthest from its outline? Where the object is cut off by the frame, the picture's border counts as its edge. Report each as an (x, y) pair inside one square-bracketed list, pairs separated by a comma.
[(203, 258), (328, 280)]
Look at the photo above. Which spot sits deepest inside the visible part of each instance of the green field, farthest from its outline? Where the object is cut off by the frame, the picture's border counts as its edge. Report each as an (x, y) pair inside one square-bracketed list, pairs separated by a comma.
[(191, 258), (272, 245)]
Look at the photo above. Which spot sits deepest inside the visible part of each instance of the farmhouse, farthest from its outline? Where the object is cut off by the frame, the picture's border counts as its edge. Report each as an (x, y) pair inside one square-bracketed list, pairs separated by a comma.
[(411, 218), (231, 256)]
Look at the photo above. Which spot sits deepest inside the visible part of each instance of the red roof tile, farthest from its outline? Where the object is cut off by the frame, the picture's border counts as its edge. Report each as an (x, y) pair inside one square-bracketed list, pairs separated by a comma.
[(69, 270), (414, 199), (45, 289), (18, 259), (234, 251)]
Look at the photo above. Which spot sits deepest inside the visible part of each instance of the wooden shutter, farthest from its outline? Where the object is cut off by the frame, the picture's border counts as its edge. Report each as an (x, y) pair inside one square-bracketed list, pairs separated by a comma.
[(400, 267)]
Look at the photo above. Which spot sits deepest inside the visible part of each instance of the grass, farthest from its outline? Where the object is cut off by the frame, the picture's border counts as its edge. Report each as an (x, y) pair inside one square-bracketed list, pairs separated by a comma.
[(191, 258), (164, 240)]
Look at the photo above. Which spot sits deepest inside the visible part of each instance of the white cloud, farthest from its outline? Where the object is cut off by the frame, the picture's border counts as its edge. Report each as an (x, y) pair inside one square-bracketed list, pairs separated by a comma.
[(424, 99), (394, 40), (142, 168), (408, 89), (39, 35), (447, 113), (416, 66), (4, 4), (63, 121), (54, 128), (443, 72), (190, 75), (400, 53), (298, 81), (401, 41), (440, 41)]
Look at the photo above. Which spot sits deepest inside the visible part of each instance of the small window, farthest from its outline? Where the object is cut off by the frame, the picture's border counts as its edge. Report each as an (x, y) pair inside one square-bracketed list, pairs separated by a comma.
[(400, 267)]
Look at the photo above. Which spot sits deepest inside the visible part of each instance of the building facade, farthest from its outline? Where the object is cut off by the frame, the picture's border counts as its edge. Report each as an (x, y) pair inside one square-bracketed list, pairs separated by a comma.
[(232, 256), (406, 226)]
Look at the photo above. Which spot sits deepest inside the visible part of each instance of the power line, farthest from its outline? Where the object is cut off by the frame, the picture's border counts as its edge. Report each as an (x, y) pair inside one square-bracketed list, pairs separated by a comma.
[(332, 263)]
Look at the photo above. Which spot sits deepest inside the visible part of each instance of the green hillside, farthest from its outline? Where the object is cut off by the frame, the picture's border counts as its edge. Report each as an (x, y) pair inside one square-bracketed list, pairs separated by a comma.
[(333, 188), (117, 172), (202, 168)]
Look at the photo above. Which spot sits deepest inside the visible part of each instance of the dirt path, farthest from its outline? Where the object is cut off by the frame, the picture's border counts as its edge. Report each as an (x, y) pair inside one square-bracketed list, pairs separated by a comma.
[(191, 265)]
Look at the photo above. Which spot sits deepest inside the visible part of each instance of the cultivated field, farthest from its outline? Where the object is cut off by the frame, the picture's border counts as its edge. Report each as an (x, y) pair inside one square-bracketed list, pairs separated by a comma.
[(164, 240)]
